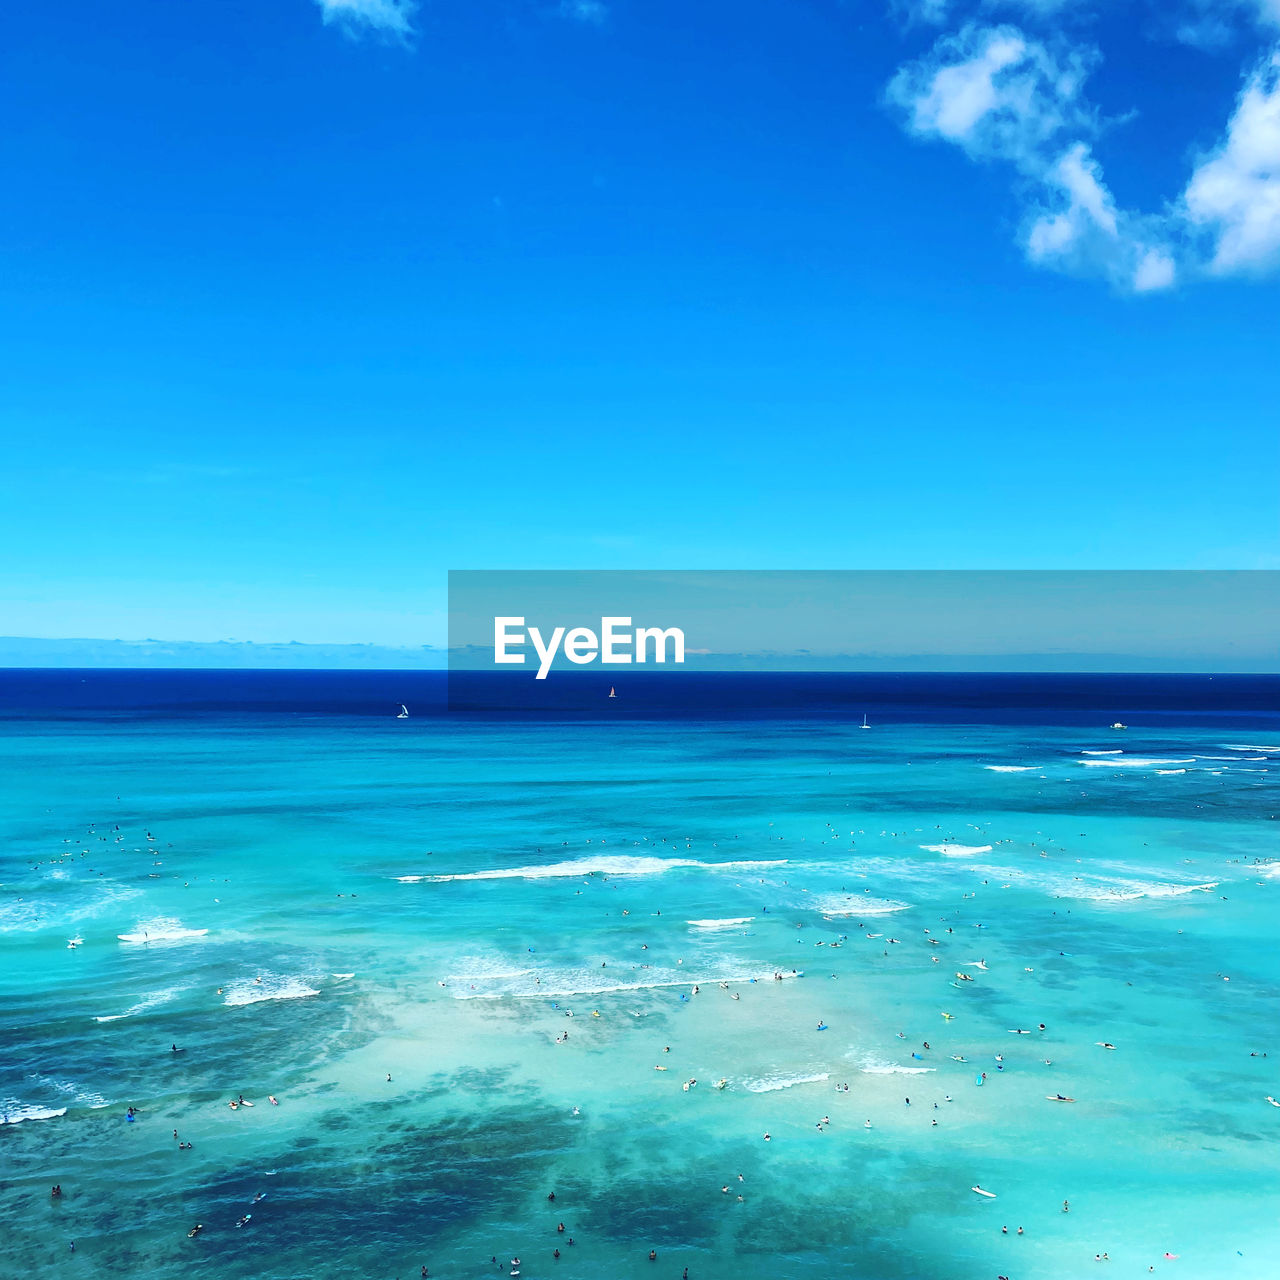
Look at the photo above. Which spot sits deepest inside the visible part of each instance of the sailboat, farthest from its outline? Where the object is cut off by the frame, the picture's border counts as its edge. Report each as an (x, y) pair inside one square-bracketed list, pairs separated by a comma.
[(404, 712), (864, 724), (613, 693)]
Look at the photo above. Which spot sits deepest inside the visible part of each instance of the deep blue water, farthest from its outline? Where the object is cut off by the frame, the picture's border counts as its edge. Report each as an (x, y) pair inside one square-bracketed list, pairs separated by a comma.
[(910, 697)]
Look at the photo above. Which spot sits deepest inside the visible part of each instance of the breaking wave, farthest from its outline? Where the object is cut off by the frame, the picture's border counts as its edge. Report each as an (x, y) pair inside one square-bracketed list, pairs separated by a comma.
[(620, 865)]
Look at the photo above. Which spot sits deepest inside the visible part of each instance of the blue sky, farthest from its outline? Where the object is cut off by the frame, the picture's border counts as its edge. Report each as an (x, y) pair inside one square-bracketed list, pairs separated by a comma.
[(302, 305)]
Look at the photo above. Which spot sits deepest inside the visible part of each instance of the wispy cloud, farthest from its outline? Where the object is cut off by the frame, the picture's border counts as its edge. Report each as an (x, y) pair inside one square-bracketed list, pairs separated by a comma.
[(993, 92), (1234, 192), (937, 12), (1002, 96), (591, 11), (390, 19), (1214, 24)]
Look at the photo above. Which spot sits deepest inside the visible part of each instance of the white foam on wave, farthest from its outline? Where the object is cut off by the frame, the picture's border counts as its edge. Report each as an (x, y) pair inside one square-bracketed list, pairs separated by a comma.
[(1133, 762), (14, 1112), (1167, 772), (784, 1080), (613, 865), (160, 929), (878, 1067), (956, 850), (851, 904), (729, 922), (143, 1006), (1012, 768), (1115, 751), (1133, 890), (82, 1097), (1235, 759), (1252, 746), (271, 987), (471, 969), (30, 915), (565, 983), (1269, 872), (1110, 886)]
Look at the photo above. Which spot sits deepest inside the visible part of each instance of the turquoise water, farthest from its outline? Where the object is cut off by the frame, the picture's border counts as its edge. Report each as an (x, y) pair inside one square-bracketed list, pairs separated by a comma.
[(328, 901)]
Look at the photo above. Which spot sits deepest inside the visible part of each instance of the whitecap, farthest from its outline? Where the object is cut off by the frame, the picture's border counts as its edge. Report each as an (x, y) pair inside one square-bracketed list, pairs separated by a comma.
[(613, 865), (1012, 768), (848, 904), (729, 922), (878, 1067), (143, 1006), (1132, 891), (1115, 751), (784, 1080), (34, 914), (1133, 762), (161, 929), (272, 987), (14, 1112), (565, 983), (956, 850), (94, 1101)]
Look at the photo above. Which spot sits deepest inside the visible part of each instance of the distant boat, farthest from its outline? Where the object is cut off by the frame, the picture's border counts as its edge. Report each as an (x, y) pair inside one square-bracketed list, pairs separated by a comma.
[(404, 712), (1118, 725), (864, 724), (613, 693)]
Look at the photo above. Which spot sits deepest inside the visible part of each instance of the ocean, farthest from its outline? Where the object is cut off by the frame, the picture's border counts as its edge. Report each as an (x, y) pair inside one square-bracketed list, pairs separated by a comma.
[(629, 953)]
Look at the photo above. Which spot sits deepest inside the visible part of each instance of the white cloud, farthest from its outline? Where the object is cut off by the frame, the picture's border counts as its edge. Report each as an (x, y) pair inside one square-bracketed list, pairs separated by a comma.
[(1000, 95), (1234, 193), (1155, 271), (389, 18), (1089, 206), (933, 12), (1088, 235), (936, 12), (993, 92)]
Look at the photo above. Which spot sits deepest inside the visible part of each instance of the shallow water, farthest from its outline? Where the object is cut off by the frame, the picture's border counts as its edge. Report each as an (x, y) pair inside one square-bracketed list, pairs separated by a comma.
[(330, 899)]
